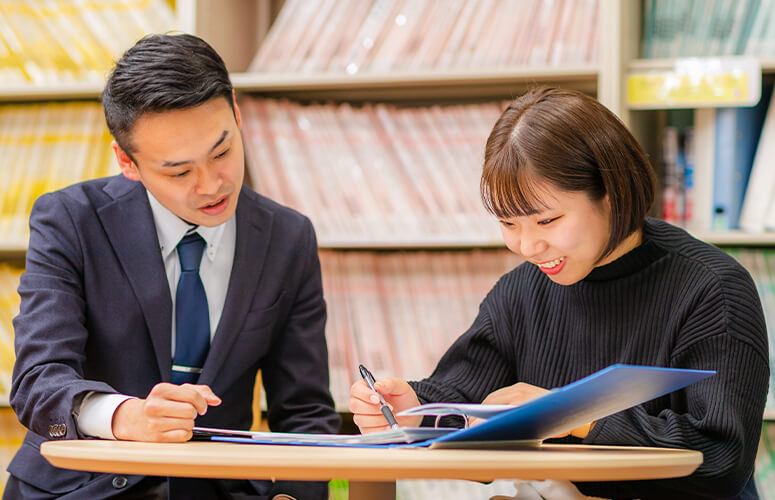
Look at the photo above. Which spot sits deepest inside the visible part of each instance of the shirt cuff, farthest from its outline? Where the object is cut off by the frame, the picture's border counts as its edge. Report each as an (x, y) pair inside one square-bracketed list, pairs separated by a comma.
[(95, 416)]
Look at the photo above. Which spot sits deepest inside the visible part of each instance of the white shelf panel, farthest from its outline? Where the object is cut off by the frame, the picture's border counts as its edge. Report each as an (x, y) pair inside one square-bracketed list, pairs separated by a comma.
[(8, 251), (431, 243), (741, 238), (406, 85), (296, 81), (63, 91), (730, 238), (767, 64), (769, 414), (482, 80)]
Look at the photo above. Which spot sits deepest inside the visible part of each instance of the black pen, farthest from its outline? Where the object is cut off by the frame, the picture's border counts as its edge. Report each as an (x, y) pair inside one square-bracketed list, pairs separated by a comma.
[(383, 406)]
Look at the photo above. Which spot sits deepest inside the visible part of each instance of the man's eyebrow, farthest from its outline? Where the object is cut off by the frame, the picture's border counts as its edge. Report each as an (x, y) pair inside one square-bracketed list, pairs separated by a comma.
[(220, 140)]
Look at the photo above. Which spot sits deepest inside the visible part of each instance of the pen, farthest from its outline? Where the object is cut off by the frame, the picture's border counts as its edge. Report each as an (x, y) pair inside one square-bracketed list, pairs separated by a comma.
[(383, 406)]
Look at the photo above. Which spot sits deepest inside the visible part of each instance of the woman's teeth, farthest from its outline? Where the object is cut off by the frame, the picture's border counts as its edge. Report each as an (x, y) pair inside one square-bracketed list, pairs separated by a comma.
[(551, 263)]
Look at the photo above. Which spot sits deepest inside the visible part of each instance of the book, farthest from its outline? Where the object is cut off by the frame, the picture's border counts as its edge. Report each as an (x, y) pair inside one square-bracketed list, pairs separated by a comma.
[(765, 462), (608, 391)]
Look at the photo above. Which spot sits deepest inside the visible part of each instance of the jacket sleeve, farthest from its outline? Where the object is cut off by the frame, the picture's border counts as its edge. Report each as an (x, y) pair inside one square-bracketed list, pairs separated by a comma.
[(50, 330), (295, 373)]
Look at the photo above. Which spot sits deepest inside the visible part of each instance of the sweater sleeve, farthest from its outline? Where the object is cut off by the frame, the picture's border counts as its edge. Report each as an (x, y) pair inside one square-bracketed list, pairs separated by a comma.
[(720, 416)]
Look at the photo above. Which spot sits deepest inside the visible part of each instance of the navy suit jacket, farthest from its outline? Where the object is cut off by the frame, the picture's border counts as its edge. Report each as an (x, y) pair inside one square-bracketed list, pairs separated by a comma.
[(96, 315)]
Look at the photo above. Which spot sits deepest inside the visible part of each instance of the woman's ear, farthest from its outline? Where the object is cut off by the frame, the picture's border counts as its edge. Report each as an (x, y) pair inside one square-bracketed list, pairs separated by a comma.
[(125, 163), (606, 201)]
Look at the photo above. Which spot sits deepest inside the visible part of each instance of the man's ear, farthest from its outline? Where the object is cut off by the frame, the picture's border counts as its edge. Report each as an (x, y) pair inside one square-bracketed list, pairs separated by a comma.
[(125, 163), (237, 114)]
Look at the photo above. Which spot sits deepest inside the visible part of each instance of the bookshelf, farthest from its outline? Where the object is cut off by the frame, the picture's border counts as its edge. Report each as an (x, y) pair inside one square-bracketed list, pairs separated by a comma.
[(752, 247), (236, 28)]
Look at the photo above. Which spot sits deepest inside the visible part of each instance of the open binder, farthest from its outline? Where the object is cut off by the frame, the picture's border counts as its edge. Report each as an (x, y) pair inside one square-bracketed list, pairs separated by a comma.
[(608, 391)]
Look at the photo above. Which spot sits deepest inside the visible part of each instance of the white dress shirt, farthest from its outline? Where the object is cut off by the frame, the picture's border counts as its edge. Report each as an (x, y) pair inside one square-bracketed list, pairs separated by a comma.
[(95, 414)]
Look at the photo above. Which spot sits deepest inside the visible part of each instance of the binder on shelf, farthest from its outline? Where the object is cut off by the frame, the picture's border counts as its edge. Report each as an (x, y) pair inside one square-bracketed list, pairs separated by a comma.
[(703, 146), (56, 42), (761, 183), (737, 137), (608, 391), (706, 28), (435, 292), (374, 173), (9, 308), (380, 36)]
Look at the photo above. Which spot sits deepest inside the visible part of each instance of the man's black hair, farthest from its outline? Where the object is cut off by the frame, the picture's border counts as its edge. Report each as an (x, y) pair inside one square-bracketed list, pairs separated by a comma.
[(162, 73)]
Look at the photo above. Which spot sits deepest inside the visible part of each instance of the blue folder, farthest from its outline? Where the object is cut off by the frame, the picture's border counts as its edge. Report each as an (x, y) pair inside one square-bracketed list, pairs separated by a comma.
[(591, 398)]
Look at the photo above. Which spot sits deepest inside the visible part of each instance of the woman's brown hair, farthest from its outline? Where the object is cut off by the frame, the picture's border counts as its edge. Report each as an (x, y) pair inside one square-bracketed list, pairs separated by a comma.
[(575, 143)]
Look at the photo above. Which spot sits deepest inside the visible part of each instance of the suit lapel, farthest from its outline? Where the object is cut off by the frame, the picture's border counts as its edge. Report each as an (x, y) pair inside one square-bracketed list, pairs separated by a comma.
[(128, 222), (254, 225)]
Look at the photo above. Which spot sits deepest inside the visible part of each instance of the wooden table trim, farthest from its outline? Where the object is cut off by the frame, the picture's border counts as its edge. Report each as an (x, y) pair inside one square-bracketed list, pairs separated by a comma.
[(230, 460)]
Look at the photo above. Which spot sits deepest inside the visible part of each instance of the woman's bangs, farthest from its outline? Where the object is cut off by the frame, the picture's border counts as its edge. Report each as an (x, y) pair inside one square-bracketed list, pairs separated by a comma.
[(509, 189)]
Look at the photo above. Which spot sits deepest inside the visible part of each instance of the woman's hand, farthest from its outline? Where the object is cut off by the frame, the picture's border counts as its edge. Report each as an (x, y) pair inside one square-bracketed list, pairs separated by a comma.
[(514, 394), (521, 393), (365, 407)]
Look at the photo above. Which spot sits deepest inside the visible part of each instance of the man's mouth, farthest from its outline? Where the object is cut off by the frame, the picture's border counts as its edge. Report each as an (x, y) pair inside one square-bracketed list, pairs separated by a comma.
[(214, 203), (216, 206)]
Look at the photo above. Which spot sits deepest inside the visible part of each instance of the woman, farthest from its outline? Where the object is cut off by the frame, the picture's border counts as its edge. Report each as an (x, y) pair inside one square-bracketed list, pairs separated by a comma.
[(602, 284)]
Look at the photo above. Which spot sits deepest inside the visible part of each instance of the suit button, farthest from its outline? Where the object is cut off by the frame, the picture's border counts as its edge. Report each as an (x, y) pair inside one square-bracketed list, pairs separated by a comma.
[(57, 430), (119, 482)]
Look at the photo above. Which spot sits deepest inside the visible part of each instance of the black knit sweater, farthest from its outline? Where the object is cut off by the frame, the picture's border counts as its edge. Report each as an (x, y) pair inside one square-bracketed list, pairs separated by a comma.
[(673, 301)]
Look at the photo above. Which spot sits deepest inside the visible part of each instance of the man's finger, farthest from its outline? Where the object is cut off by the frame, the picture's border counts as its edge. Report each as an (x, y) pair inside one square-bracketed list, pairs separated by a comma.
[(188, 393), (208, 394), (165, 408), (175, 436)]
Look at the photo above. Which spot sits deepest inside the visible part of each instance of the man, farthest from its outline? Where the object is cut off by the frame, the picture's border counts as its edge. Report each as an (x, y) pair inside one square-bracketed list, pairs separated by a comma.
[(151, 299)]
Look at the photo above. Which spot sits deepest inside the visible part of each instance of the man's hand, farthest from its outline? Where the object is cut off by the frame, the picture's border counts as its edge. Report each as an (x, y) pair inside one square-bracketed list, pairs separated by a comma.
[(364, 404), (166, 415)]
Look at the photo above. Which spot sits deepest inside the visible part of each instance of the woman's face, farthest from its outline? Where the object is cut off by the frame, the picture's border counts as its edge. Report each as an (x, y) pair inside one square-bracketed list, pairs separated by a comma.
[(566, 238)]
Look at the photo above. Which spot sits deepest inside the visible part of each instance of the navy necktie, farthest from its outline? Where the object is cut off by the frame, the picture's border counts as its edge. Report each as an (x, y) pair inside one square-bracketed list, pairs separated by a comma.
[(192, 317)]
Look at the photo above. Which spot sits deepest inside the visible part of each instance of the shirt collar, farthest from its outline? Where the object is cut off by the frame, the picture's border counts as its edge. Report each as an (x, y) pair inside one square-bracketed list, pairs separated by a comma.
[(170, 229)]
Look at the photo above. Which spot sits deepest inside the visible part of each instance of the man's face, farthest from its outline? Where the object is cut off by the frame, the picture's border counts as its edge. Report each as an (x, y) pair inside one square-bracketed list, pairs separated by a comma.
[(191, 160)]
